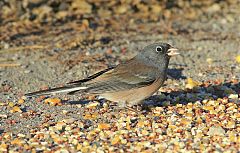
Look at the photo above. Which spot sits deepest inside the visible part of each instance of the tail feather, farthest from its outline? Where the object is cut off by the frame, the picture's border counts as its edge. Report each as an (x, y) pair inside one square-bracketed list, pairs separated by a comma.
[(70, 88)]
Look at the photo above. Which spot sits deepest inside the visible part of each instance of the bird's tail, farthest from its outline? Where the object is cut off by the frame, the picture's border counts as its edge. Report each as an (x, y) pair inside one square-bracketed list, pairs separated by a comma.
[(68, 88)]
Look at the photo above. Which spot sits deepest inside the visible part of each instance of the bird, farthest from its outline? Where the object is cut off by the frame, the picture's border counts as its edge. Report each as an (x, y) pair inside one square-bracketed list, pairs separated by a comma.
[(128, 83)]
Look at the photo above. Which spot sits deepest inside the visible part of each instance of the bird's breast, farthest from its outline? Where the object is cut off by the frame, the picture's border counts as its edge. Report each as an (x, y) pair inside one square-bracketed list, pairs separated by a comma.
[(133, 96)]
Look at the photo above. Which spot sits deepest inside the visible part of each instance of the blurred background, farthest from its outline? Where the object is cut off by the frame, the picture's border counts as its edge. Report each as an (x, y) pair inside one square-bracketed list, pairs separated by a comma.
[(106, 20)]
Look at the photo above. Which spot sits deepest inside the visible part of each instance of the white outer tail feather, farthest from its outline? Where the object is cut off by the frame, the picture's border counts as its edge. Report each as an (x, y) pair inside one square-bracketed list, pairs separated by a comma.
[(56, 90), (68, 90)]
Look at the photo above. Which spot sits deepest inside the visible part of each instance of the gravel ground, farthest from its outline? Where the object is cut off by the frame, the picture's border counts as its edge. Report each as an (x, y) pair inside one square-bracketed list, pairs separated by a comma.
[(197, 110)]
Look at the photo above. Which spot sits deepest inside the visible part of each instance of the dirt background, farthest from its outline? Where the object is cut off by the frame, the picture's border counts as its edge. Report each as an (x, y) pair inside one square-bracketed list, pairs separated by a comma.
[(48, 43)]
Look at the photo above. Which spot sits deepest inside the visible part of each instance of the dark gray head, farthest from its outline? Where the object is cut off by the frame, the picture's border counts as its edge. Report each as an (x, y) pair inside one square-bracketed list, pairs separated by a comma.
[(157, 54)]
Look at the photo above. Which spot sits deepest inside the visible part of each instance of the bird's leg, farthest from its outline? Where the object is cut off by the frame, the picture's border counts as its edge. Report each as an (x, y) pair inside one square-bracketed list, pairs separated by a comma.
[(133, 110), (124, 105)]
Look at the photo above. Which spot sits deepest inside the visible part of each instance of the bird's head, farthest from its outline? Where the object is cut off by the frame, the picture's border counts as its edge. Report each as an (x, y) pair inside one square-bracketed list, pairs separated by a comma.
[(158, 53)]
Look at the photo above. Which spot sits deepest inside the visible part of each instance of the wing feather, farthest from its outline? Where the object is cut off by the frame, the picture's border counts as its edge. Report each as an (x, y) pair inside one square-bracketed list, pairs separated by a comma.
[(121, 78)]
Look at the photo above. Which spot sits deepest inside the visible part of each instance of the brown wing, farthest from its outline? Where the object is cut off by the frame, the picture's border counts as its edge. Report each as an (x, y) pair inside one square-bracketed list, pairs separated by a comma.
[(132, 74)]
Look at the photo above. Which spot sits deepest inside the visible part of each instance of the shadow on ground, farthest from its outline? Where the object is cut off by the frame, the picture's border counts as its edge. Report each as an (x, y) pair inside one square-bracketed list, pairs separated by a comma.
[(212, 92)]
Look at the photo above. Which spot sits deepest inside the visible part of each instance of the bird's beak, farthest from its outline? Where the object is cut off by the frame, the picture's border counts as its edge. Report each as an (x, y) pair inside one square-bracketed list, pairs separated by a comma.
[(172, 52)]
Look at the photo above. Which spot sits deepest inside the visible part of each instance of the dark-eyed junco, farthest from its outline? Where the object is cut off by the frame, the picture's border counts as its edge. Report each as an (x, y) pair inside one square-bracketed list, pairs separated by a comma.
[(128, 83)]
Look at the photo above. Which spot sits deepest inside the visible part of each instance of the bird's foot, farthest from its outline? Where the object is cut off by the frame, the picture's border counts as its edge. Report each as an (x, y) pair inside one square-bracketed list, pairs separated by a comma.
[(132, 109)]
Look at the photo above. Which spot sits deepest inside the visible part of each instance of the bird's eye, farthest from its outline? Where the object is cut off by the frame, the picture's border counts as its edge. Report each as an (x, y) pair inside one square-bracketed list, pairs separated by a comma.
[(159, 49)]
